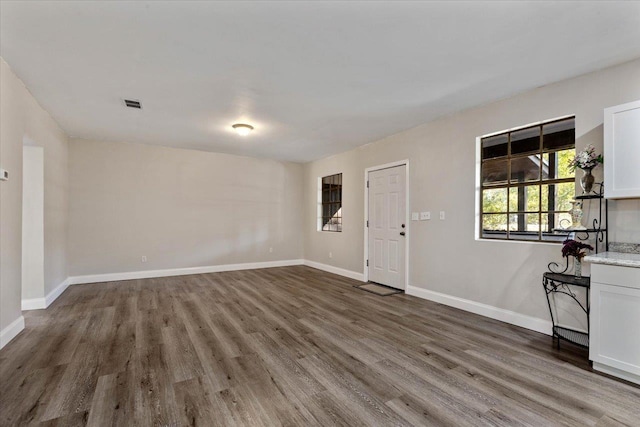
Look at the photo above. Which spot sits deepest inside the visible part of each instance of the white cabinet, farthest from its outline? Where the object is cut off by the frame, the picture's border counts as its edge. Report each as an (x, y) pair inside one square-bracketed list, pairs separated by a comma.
[(614, 342), (622, 151)]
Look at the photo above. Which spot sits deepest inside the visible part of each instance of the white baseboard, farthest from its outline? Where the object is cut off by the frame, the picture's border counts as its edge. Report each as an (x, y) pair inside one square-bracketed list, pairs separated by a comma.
[(148, 274), (10, 332), (615, 372), (507, 316), (335, 270), (41, 303), (33, 304), (54, 294)]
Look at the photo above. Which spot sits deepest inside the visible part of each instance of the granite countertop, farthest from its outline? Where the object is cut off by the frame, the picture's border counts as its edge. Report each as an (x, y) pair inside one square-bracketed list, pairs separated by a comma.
[(615, 258)]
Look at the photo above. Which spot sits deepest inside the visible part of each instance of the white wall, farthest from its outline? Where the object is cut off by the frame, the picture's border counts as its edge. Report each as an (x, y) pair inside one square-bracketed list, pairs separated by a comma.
[(33, 223), (21, 117), (624, 220), (179, 208), (444, 255)]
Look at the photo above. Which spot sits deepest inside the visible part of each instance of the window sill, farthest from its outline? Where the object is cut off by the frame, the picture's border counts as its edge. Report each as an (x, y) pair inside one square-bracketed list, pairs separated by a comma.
[(535, 242)]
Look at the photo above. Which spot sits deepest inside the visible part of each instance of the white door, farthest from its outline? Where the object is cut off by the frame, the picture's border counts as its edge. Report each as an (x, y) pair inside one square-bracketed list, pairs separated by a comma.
[(387, 226)]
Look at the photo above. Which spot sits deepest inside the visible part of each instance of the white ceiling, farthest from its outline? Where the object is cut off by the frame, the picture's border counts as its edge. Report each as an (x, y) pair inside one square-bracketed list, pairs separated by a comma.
[(314, 79)]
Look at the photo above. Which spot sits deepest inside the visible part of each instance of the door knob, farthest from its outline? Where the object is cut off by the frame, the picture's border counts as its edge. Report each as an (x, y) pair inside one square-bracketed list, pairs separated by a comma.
[(402, 233)]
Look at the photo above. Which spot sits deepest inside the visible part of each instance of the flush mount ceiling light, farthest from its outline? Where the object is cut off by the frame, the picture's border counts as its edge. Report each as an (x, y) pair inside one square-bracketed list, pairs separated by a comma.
[(242, 129)]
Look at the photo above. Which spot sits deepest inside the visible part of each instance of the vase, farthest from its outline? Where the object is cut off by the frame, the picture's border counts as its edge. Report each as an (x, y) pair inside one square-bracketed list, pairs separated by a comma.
[(577, 267), (576, 215), (587, 180)]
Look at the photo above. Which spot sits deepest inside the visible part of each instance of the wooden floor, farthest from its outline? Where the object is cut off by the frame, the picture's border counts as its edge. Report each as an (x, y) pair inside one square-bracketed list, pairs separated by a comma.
[(290, 346)]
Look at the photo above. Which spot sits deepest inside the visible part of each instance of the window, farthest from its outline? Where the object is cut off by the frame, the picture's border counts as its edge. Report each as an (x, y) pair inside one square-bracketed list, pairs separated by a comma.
[(330, 203), (526, 184)]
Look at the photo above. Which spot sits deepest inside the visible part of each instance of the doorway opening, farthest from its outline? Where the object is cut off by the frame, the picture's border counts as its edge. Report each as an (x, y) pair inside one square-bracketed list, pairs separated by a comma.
[(32, 226)]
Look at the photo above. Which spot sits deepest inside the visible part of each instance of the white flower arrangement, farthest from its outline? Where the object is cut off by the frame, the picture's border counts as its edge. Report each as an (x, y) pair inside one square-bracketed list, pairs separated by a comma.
[(586, 159)]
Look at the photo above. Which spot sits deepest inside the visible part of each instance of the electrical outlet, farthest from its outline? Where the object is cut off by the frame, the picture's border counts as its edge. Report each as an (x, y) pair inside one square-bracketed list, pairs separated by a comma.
[(425, 216), (441, 214), (270, 250), (330, 255), (144, 258), (415, 216)]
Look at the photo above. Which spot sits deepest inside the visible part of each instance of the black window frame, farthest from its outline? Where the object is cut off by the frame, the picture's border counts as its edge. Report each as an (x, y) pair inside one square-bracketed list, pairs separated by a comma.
[(520, 211)]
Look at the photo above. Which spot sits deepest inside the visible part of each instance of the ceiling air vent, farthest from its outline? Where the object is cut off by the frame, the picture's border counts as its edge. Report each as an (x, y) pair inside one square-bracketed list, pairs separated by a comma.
[(133, 103)]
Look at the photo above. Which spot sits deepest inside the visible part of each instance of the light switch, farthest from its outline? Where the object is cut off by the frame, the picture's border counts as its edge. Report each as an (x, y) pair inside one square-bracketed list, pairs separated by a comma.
[(425, 215), (415, 216), (441, 214)]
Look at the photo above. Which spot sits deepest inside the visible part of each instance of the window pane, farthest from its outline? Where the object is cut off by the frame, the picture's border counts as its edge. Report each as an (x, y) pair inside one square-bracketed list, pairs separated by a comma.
[(335, 210), (559, 135), (564, 157), (546, 218), (494, 172), (524, 226), (494, 222), (339, 179), (325, 196), (525, 168), (558, 197), (525, 140), (532, 223), (556, 165), (525, 198), (549, 166), (565, 193), (494, 146), (555, 221), (331, 209), (532, 198), (494, 200), (326, 211), (326, 181), (494, 226)]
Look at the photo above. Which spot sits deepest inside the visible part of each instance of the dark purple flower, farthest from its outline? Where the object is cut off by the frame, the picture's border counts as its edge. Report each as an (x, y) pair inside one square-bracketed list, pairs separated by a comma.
[(574, 248)]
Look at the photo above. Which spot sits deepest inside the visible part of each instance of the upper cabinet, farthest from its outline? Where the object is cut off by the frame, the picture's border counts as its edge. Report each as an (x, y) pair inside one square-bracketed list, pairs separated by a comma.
[(622, 151)]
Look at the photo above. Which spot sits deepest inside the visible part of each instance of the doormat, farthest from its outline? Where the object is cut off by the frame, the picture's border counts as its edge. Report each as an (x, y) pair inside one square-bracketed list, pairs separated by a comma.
[(383, 291)]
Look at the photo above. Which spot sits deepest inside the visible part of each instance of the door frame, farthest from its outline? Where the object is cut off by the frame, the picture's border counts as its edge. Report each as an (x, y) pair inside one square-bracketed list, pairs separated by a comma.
[(407, 213)]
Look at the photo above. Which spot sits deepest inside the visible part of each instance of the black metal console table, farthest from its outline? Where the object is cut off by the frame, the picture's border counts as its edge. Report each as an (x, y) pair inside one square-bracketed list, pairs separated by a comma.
[(561, 283)]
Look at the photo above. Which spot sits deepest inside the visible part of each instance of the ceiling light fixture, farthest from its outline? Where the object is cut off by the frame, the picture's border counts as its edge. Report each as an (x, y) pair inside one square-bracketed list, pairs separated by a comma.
[(242, 129)]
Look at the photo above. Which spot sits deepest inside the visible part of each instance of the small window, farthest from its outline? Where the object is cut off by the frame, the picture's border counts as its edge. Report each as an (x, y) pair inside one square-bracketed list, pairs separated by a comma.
[(526, 183), (330, 203)]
